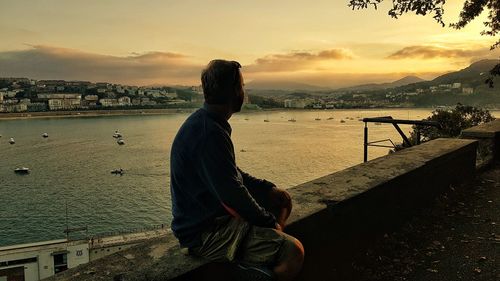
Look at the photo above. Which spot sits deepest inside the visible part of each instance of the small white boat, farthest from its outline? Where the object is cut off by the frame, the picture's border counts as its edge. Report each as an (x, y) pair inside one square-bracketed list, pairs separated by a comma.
[(117, 171), (117, 135), (22, 170), (120, 142), (12, 141), (45, 135)]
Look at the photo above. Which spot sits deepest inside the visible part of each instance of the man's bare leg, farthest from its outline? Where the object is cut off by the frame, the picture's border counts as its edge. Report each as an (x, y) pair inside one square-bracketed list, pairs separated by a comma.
[(291, 260)]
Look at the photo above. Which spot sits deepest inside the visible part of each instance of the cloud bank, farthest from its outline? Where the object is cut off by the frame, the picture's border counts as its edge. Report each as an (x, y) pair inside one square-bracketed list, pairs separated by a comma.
[(47, 62), (334, 67), (432, 52), (296, 60)]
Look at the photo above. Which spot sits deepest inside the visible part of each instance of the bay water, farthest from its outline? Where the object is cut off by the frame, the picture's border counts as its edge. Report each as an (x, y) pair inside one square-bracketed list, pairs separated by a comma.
[(70, 184)]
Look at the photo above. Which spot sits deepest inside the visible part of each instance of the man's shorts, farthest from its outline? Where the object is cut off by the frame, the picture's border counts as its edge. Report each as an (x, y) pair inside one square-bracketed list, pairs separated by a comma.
[(234, 240)]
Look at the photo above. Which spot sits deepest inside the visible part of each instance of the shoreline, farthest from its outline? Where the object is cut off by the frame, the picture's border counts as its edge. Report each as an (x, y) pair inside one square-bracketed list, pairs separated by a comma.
[(92, 113), (163, 111)]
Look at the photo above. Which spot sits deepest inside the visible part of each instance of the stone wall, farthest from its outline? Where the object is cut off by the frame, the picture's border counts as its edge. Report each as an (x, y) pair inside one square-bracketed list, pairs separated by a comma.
[(488, 136), (334, 216)]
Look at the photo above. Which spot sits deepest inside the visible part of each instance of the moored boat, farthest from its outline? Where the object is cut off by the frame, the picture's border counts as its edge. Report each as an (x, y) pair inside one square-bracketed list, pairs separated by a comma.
[(22, 170), (117, 134), (117, 171)]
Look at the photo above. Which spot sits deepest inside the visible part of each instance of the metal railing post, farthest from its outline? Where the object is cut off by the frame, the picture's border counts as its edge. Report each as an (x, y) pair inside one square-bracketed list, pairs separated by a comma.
[(365, 158)]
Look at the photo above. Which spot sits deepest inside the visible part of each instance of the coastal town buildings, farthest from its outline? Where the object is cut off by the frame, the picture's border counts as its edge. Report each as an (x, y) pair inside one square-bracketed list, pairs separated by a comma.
[(23, 94)]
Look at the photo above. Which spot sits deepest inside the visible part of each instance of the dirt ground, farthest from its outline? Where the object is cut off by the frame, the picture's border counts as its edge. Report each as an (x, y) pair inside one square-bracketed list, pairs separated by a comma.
[(458, 238)]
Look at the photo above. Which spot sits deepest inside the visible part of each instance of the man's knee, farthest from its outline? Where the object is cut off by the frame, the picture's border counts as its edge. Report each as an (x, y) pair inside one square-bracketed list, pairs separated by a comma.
[(292, 252)]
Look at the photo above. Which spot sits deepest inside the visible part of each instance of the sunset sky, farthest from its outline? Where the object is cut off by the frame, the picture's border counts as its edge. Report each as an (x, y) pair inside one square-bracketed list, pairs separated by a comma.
[(169, 42)]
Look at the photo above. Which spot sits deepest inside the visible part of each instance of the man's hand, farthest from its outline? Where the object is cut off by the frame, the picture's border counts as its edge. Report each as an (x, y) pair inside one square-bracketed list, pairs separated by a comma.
[(278, 227), (281, 198)]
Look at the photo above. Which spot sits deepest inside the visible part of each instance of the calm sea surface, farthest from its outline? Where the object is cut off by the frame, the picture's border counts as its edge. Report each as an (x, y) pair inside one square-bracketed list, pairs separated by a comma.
[(72, 167)]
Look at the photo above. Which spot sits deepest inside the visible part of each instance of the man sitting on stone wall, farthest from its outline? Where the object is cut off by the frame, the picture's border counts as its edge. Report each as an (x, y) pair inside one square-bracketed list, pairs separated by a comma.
[(220, 212)]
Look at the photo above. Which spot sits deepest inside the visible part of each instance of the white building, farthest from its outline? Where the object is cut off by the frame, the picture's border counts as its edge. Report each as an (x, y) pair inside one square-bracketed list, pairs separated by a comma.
[(456, 85), (330, 105), (124, 101), (295, 104), (446, 86), (19, 107), (62, 101), (91, 98), (25, 101), (10, 94), (120, 89), (36, 261), (468, 90), (108, 102)]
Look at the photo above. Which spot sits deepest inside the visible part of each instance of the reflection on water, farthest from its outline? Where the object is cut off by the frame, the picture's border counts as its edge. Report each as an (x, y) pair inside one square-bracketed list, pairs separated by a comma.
[(73, 164)]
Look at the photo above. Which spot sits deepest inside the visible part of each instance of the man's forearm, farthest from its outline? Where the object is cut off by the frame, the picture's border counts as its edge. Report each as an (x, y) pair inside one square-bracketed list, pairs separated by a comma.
[(253, 182)]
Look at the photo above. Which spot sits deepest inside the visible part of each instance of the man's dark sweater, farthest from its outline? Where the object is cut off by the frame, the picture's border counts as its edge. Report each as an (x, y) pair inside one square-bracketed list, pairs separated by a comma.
[(205, 181)]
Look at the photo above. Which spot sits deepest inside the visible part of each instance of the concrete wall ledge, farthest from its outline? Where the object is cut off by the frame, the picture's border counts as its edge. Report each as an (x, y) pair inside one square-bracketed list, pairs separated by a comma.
[(488, 135), (486, 130), (333, 215)]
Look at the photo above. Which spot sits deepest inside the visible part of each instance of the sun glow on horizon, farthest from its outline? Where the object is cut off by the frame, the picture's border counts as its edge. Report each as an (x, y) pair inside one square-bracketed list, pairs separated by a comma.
[(170, 41)]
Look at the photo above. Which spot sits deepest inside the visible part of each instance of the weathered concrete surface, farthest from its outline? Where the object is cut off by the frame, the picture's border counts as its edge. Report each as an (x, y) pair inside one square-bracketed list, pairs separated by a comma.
[(488, 135), (332, 215), (486, 130), (152, 260)]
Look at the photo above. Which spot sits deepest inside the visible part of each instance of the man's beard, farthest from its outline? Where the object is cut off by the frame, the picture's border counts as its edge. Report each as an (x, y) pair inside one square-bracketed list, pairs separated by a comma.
[(238, 103)]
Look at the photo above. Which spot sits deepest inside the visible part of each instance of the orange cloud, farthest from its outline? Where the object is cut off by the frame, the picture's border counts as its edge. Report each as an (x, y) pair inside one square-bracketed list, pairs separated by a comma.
[(431, 52), (296, 60), (47, 62)]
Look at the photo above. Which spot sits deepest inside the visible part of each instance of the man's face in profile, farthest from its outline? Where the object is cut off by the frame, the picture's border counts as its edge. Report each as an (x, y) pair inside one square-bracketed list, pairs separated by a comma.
[(240, 95)]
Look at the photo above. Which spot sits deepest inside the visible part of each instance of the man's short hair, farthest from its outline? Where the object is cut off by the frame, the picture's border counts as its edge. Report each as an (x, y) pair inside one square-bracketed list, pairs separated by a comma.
[(220, 80)]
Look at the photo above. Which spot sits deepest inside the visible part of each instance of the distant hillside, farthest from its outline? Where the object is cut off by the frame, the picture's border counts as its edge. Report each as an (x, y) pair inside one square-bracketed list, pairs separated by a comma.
[(474, 74), (373, 86), (282, 85)]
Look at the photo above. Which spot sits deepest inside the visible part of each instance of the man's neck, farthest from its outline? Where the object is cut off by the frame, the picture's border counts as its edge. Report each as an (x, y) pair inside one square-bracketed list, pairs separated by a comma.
[(222, 110)]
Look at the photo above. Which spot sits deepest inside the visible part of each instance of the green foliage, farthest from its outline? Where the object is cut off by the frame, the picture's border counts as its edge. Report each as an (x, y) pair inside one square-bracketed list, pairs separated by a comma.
[(21, 95), (452, 122), (264, 102), (186, 95)]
